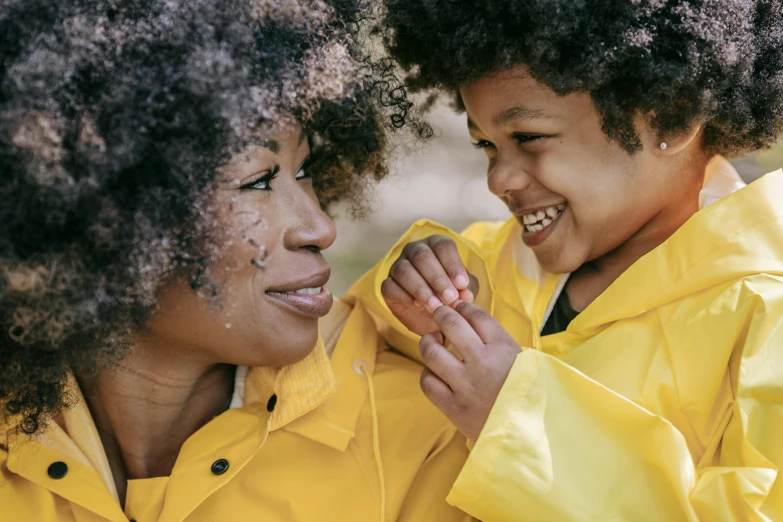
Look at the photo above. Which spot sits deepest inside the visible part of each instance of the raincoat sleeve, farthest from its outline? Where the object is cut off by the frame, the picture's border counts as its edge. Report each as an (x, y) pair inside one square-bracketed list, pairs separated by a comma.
[(560, 446), (426, 497), (367, 290)]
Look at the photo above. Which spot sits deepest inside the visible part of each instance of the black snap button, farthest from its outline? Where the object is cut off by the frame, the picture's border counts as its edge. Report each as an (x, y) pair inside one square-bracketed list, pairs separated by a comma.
[(58, 470), (219, 466), (270, 405)]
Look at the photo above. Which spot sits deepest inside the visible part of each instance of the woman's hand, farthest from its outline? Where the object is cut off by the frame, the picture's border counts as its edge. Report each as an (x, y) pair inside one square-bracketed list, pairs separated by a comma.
[(466, 390), (428, 274)]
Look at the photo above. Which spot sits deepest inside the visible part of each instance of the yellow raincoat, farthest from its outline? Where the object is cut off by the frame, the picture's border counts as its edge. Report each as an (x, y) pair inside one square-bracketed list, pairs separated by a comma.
[(663, 400), (314, 453)]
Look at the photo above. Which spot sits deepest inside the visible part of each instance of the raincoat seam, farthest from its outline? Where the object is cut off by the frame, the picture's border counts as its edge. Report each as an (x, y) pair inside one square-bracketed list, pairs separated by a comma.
[(353, 451)]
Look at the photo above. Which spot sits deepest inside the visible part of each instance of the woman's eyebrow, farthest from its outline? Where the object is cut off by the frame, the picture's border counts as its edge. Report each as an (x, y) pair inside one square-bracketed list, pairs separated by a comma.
[(272, 145)]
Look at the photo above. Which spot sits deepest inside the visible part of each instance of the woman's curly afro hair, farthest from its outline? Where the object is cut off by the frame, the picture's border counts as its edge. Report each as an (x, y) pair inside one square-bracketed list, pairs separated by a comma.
[(114, 116), (716, 62)]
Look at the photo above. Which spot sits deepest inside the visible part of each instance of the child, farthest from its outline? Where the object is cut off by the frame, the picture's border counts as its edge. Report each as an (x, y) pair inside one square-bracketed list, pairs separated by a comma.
[(625, 359)]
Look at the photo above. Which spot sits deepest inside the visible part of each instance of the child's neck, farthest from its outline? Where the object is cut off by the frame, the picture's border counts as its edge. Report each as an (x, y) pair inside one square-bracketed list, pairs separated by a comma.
[(594, 277)]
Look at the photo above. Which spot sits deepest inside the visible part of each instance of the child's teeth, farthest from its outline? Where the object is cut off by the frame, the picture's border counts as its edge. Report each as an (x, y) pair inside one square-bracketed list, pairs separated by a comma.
[(541, 219)]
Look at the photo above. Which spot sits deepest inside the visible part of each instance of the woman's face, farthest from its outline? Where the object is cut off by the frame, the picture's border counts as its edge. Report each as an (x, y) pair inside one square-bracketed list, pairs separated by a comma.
[(270, 274), (577, 194)]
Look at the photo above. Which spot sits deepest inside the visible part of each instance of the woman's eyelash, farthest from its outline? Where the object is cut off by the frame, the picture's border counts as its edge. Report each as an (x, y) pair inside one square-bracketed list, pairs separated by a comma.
[(263, 182), (481, 144), (304, 170)]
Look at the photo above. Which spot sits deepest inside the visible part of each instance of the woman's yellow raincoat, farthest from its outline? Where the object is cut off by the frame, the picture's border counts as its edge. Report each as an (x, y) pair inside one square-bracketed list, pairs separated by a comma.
[(663, 400), (298, 444)]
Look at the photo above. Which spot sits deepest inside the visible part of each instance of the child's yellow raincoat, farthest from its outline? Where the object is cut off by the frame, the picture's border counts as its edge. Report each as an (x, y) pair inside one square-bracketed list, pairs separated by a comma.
[(663, 400)]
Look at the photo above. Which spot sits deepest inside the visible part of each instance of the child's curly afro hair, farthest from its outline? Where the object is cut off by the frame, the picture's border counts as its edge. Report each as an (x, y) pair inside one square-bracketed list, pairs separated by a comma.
[(114, 115), (716, 62)]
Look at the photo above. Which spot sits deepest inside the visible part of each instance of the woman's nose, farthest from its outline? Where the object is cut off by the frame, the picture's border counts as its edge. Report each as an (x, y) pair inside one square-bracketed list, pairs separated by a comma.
[(311, 228)]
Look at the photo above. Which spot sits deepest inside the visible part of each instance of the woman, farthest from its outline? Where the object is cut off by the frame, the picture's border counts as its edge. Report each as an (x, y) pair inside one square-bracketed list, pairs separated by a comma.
[(632, 368), (164, 165)]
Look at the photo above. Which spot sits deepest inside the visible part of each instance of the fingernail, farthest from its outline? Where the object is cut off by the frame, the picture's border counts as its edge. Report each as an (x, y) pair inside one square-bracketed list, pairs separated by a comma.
[(434, 303), (450, 295), (461, 281)]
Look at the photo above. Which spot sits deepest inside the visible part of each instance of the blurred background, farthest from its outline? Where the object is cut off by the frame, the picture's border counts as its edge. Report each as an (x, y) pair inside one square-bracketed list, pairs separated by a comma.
[(444, 181)]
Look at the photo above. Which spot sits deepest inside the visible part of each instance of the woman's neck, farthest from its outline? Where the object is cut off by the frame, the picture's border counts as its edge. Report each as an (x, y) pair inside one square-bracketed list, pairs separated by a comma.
[(594, 277), (148, 407)]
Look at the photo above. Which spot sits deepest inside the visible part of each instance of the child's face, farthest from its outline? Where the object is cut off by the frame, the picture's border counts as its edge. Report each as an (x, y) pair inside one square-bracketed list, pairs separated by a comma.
[(577, 194)]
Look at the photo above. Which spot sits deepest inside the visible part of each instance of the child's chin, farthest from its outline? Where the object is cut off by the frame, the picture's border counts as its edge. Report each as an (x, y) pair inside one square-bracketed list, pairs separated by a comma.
[(556, 264)]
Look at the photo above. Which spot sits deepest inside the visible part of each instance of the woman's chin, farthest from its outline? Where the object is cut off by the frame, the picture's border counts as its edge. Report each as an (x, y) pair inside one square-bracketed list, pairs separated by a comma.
[(286, 352)]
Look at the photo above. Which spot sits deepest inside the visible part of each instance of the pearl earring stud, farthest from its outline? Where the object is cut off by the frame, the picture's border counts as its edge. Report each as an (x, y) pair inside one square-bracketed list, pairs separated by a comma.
[(664, 145)]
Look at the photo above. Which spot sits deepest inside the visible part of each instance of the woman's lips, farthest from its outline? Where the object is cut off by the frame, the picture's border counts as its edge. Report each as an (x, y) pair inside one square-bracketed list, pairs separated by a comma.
[(311, 305)]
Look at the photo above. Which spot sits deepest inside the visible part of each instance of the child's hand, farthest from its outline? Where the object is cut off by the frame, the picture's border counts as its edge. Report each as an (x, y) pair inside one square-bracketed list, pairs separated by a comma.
[(429, 273), (466, 390)]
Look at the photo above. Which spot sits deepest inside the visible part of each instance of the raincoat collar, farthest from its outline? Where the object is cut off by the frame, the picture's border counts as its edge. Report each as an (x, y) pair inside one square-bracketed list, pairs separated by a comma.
[(309, 401)]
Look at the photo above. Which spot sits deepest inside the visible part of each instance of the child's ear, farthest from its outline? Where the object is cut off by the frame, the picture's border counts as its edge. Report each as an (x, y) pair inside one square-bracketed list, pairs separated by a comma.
[(666, 144), (669, 145)]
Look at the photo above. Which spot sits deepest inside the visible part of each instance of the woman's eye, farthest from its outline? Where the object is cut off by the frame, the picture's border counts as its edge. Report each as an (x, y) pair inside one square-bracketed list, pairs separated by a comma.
[(302, 174), (262, 183)]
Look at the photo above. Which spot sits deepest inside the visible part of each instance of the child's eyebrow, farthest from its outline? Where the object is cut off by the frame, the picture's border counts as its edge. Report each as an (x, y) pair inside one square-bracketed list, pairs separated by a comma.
[(519, 112)]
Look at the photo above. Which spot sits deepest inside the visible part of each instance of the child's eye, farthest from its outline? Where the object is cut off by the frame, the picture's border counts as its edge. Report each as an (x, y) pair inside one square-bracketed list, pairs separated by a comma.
[(526, 138), (481, 144)]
